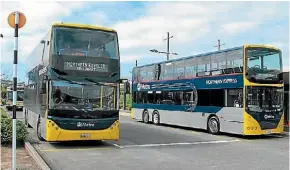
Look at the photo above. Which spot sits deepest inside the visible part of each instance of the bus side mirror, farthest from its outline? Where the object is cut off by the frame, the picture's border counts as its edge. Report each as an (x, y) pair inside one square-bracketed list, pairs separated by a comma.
[(45, 77), (43, 84)]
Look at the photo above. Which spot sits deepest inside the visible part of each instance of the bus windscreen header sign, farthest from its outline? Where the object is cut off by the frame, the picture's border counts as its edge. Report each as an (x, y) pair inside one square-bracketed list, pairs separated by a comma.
[(85, 66)]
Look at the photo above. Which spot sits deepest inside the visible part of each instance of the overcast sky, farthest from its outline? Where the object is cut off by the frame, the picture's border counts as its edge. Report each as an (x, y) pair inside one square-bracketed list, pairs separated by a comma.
[(142, 26)]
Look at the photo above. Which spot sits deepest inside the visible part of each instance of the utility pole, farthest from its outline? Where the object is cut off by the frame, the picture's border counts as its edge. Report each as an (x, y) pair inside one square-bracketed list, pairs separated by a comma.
[(219, 45), (168, 44)]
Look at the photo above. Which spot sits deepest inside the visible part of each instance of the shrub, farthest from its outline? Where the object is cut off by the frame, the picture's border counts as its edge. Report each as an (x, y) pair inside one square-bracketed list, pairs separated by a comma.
[(6, 130), (3, 113)]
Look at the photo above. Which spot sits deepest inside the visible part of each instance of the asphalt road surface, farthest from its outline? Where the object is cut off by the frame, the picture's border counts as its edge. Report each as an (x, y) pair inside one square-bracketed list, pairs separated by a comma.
[(146, 146)]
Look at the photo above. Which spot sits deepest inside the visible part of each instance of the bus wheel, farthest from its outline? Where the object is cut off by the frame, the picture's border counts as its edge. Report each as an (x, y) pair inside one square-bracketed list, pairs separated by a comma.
[(145, 116), (213, 125), (156, 118), (39, 131)]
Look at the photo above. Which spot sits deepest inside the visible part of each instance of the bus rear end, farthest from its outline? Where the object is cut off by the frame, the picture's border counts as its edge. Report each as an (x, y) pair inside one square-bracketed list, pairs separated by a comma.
[(263, 89)]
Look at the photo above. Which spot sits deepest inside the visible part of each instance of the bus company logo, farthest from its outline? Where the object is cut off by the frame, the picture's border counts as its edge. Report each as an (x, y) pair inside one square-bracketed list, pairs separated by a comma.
[(222, 81), (269, 117), (84, 124), (143, 87)]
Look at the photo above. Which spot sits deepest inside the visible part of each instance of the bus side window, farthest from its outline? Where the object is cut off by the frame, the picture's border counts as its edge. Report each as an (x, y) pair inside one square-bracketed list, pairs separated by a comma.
[(235, 98)]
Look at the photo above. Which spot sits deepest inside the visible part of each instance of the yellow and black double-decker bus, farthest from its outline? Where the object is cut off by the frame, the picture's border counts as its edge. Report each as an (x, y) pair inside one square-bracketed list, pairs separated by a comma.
[(72, 88), (237, 90), (263, 90)]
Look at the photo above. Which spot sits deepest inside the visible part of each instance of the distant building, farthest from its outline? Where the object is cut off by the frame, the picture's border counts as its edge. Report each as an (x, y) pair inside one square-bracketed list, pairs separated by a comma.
[(10, 83)]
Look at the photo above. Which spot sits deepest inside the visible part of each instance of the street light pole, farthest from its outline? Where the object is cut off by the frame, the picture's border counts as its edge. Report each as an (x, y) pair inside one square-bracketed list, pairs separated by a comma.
[(167, 52), (168, 45)]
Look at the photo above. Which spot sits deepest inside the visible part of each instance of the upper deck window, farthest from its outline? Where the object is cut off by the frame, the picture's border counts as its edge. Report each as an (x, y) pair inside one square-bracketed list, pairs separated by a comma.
[(85, 42), (263, 65)]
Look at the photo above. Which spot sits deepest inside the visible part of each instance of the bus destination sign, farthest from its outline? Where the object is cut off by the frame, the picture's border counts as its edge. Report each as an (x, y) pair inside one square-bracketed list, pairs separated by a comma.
[(84, 66)]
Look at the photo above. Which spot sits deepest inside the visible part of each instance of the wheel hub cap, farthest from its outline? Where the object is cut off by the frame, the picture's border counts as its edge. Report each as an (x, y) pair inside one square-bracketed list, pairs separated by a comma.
[(213, 126)]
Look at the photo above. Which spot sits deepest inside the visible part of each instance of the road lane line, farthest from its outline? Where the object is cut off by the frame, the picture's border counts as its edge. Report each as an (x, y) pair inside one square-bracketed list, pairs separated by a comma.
[(185, 143), (118, 146)]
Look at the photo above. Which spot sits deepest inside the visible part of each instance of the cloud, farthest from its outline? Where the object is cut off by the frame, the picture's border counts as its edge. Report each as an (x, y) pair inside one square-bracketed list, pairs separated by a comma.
[(190, 23), (237, 27), (186, 21), (39, 16), (141, 26)]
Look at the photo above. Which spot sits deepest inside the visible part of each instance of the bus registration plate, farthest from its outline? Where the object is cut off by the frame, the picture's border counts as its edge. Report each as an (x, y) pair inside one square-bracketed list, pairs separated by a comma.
[(268, 131), (85, 135)]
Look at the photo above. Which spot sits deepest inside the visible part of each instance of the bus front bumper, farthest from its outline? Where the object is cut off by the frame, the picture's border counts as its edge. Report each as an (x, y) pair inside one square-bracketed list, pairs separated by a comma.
[(55, 133)]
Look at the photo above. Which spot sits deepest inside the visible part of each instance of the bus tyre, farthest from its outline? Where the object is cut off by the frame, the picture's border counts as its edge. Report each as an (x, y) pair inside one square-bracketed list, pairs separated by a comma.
[(145, 117), (213, 125), (156, 118), (39, 131)]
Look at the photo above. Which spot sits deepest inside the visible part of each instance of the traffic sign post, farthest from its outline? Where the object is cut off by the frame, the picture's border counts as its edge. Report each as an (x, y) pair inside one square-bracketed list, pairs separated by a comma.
[(16, 20)]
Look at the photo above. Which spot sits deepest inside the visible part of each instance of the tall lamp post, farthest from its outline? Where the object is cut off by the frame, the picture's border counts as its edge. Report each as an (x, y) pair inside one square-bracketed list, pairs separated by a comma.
[(167, 52)]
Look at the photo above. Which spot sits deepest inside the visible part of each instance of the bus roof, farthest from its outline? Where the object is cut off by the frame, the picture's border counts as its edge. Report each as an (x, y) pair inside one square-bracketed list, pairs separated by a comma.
[(83, 26), (210, 53)]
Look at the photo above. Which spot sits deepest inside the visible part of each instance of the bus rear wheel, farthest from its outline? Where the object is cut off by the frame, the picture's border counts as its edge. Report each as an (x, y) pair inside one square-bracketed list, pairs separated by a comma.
[(213, 125), (156, 118), (145, 117)]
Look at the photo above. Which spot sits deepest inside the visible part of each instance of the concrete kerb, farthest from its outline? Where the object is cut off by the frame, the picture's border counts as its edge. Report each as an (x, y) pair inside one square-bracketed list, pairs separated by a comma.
[(36, 156)]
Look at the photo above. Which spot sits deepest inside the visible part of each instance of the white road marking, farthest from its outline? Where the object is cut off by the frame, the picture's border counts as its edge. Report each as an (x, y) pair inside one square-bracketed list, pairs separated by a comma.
[(118, 146), (185, 143)]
